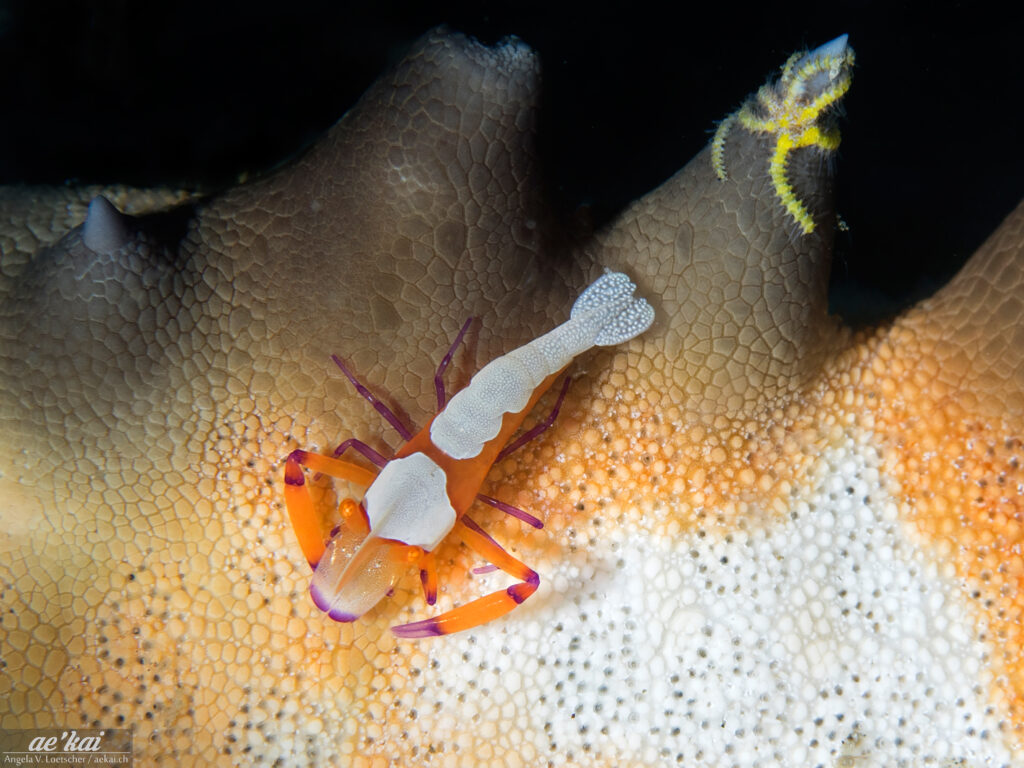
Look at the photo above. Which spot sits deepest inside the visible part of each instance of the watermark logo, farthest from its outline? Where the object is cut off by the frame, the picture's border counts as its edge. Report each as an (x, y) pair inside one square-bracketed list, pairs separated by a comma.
[(65, 746)]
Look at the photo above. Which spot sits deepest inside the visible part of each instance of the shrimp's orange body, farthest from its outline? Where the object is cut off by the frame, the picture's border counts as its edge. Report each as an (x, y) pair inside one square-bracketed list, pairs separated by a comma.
[(424, 492)]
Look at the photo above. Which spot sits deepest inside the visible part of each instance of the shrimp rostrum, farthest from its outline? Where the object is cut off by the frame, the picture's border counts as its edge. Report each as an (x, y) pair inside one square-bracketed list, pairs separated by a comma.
[(423, 493)]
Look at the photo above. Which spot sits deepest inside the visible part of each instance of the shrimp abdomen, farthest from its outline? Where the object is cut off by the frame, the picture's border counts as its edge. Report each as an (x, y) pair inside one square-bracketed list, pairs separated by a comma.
[(606, 313)]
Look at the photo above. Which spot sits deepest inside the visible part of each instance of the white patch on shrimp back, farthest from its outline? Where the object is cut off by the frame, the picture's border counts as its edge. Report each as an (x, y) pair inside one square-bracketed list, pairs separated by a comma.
[(408, 502), (606, 313)]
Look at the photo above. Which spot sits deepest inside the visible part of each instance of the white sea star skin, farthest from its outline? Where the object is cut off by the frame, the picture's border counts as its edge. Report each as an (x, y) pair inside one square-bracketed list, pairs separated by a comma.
[(792, 644), (755, 521)]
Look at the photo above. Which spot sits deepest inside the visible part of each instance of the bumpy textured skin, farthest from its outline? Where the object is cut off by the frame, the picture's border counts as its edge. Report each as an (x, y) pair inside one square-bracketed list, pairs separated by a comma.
[(767, 541), (973, 328), (744, 297)]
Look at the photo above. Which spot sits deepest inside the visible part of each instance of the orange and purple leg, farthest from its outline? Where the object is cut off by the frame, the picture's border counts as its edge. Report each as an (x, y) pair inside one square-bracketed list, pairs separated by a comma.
[(485, 608), (439, 375), (428, 577), (301, 510)]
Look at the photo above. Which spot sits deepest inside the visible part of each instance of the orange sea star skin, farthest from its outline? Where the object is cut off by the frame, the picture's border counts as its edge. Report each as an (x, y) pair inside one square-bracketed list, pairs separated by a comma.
[(762, 535)]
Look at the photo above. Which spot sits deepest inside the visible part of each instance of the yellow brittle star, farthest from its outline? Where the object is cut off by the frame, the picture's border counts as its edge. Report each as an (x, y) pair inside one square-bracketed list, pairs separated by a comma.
[(792, 110)]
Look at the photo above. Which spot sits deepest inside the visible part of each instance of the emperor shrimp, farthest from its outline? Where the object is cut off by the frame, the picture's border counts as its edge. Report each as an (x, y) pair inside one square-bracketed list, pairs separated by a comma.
[(424, 492)]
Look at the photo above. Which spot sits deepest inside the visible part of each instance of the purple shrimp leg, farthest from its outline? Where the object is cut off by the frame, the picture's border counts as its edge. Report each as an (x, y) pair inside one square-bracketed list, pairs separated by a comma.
[(438, 377), (371, 455), (537, 429), (508, 509), (389, 415), (515, 445), (382, 409)]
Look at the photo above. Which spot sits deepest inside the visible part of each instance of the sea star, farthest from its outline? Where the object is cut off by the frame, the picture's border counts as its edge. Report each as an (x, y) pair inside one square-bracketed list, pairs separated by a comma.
[(767, 540)]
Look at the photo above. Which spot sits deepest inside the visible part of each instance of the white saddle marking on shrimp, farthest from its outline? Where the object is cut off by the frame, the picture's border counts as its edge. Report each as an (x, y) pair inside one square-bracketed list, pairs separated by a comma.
[(408, 502)]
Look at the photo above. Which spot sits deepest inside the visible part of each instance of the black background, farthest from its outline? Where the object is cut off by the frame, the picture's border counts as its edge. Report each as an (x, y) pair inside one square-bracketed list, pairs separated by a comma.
[(193, 92)]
